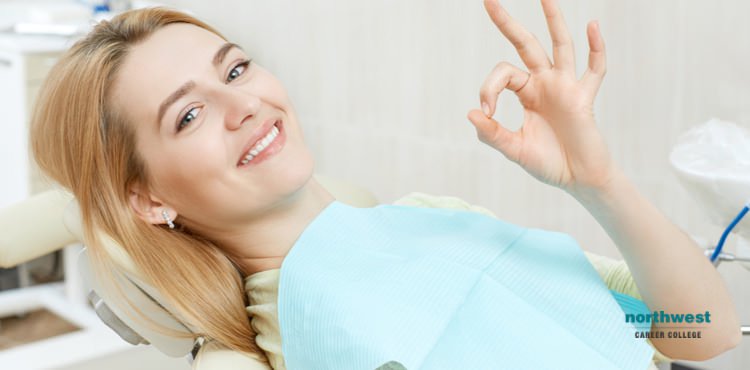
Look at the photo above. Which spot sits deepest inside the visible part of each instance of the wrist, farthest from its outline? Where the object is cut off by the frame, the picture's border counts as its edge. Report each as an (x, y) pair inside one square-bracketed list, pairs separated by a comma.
[(604, 190)]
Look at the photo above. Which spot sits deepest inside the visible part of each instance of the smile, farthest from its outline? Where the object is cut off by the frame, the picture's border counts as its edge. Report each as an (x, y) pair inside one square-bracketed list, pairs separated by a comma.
[(265, 147)]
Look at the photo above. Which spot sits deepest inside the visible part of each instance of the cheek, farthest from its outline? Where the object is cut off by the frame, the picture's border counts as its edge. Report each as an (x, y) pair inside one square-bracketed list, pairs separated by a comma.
[(188, 165), (268, 88)]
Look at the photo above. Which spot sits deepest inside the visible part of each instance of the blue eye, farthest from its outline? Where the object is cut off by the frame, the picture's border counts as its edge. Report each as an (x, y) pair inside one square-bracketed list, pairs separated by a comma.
[(238, 70), (188, 118)]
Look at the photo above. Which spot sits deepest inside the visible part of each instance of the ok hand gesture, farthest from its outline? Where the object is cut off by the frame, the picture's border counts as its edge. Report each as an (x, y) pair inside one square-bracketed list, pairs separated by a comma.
[(558, 143)]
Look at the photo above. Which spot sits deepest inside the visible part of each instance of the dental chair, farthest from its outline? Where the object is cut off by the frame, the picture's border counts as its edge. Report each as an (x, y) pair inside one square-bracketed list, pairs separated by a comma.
[(49, 221)]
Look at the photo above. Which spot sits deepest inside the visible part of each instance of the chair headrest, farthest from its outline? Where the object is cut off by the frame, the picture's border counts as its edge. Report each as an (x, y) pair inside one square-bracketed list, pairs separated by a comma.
[(142, 295)]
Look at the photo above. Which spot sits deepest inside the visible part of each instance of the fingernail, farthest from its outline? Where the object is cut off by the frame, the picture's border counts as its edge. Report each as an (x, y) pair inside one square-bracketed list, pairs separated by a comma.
[(486, 109)]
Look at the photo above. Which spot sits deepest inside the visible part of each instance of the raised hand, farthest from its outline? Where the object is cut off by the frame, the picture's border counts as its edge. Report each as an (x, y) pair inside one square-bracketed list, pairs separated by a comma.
[(558, 142)]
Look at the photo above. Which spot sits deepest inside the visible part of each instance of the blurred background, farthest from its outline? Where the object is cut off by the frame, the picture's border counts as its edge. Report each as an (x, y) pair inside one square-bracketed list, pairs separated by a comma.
[(382, 89)]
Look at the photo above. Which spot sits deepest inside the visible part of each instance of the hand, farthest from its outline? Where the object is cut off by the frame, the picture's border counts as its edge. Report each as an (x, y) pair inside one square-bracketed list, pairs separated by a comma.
[(558, 142)]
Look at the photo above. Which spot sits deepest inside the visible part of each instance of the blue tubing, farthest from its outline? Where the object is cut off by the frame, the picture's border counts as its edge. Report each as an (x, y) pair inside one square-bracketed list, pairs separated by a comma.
[(727, 231)]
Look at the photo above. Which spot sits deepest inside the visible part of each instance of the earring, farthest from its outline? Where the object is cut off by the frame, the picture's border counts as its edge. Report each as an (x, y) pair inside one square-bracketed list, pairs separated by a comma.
[(165, 216)]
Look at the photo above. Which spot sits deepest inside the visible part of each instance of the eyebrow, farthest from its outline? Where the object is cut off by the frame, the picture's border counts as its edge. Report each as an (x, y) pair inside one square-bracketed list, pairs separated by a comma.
[(190, 85), (222, 52)]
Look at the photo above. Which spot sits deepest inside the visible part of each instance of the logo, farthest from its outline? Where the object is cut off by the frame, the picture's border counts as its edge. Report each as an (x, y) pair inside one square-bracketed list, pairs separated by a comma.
[(678, 329)]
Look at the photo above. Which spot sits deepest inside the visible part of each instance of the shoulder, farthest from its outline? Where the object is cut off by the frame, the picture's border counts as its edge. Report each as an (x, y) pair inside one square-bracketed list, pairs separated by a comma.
[(417, 199)]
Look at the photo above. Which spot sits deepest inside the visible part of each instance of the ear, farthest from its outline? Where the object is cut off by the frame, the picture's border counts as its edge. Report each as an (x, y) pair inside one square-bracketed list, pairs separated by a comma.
[(148, 207)]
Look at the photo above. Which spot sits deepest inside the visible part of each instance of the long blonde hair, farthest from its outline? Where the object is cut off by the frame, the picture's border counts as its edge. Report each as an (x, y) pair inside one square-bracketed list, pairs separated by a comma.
[(83, 144)]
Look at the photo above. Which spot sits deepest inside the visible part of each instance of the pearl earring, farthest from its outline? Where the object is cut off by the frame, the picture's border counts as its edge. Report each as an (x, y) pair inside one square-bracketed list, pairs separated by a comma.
[(165, 216)]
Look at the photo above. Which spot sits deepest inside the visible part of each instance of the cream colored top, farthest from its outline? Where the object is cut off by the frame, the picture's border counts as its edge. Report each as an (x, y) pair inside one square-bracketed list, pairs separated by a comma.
[(262, 288), (262, 291)]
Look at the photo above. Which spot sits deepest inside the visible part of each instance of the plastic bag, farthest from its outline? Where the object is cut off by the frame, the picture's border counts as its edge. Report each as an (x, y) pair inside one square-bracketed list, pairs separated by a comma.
[(713, 163)]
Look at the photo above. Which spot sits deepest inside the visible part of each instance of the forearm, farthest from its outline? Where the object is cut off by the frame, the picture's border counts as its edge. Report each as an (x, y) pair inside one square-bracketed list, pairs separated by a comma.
[(670, 270)]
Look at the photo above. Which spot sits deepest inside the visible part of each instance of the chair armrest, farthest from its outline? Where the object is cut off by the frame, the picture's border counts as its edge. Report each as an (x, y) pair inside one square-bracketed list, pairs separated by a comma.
[(33, 228)]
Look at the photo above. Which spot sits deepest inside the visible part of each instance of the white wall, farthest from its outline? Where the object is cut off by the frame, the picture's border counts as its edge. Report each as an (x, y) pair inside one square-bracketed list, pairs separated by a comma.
[(382, 89)]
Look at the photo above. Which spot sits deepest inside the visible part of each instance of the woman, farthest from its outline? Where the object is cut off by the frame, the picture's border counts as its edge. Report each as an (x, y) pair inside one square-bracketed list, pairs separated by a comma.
[(190, 156)]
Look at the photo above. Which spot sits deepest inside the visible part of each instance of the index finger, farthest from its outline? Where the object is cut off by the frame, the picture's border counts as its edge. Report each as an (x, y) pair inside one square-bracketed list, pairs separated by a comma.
[(529, 49)]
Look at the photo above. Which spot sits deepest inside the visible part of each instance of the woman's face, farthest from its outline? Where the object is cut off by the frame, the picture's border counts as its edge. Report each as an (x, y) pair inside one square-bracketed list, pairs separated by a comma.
[(198, 108)]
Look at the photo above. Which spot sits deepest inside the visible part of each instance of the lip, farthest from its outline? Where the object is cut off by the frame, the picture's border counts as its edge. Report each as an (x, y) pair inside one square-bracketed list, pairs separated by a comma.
[(257, 135)]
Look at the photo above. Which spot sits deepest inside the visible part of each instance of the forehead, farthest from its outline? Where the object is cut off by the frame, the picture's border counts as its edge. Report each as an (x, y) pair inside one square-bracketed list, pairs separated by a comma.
[(160, 64)]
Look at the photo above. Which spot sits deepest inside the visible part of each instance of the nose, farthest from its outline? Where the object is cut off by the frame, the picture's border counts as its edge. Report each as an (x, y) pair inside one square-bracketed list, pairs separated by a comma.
[(240, 107)]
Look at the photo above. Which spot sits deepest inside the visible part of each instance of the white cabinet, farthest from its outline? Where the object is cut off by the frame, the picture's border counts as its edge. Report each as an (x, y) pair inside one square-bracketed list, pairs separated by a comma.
[(24, 63), (13, 136)]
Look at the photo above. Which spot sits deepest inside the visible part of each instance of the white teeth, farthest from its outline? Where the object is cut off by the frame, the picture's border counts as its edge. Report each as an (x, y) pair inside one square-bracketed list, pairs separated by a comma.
[(261, 145)]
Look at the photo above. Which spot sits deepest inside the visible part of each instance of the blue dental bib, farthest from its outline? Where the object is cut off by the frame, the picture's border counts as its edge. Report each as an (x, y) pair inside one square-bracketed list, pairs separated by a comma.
[(447, 289)]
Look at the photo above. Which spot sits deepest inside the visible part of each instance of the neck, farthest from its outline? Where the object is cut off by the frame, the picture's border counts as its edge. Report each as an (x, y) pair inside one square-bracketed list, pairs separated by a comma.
[(264, 245)]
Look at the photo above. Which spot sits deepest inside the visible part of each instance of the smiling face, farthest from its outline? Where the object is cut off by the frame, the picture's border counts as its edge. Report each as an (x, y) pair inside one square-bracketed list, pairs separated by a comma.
[(216, 132)]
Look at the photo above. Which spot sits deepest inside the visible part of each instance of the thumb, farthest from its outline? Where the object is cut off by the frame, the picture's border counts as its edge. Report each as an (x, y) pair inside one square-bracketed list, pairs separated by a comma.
[(495, 135)]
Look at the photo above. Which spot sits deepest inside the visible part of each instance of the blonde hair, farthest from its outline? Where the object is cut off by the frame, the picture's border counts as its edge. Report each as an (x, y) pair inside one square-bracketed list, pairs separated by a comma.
[(82, 143)]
